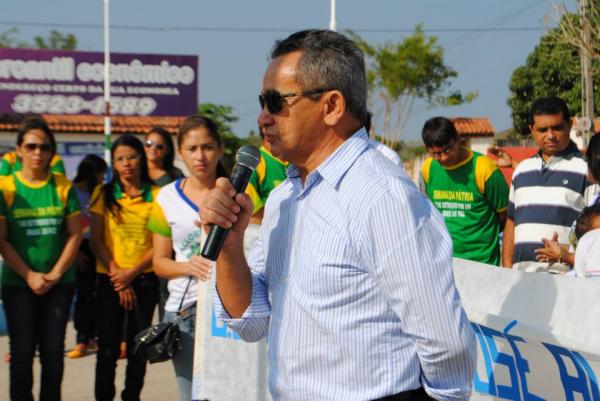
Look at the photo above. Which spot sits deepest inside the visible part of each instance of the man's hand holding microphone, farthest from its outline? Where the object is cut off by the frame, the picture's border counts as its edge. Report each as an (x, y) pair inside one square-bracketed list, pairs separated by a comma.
[(225, 213)]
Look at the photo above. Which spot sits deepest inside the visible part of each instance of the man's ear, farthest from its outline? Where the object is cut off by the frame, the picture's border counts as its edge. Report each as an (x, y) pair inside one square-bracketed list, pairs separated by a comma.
[(334, 107)]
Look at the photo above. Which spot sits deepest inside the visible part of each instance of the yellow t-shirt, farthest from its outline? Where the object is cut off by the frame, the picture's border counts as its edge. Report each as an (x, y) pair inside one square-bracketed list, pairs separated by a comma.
[(126, 235)]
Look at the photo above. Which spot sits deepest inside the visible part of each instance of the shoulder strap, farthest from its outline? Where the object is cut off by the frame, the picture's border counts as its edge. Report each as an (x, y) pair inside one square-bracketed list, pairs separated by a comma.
[(426, 168), (9, 187), (187, 286), (484, 168), (63, 185)]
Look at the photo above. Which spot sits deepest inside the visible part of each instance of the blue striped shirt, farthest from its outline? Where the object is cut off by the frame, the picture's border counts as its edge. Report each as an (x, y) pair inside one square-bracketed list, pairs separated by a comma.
[(353, 283), (545, 197)]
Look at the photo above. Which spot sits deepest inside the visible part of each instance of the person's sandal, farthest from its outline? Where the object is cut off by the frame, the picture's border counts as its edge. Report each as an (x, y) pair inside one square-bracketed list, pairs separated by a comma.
[(79, 351), (123, 353)]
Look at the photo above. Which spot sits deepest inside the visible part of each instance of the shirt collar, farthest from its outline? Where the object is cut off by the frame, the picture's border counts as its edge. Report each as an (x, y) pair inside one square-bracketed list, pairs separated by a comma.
[(459, 164), (567, 153), (146, 193), (337, 164)]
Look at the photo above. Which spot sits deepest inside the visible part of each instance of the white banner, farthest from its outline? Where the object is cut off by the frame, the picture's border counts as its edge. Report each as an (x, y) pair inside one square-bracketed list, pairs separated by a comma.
[(226, 368), (538, 338), (538, 335)]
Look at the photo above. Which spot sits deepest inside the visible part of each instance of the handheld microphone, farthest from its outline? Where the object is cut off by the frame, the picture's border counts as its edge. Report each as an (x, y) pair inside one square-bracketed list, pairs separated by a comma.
[(246, 158)]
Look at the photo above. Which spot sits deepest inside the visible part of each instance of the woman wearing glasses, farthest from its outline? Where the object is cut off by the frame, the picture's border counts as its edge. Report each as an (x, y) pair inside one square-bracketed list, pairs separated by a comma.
[(173, 223), (119, 212), (40, 232), (160, 153)]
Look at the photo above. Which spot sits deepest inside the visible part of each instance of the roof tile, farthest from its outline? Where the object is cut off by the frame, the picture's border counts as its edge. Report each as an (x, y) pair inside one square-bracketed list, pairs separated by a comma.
[(89, 123), (475, 126)]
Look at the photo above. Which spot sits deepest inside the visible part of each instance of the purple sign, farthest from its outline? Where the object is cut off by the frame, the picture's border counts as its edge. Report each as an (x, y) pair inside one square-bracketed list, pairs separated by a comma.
[(72, 82)]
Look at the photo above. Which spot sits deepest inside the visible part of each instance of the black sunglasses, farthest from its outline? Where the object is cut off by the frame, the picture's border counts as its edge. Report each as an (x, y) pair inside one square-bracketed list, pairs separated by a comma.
[(157, 145), (43, 147), (274, 100)]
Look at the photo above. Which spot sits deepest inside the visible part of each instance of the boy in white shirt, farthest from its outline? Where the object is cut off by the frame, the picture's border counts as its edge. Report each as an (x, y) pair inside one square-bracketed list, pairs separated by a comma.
[(587, 254)]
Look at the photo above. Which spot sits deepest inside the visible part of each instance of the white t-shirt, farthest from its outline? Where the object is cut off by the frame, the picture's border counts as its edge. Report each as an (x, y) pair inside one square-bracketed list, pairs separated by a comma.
[(173, 216), (587, 255), (387, 152)]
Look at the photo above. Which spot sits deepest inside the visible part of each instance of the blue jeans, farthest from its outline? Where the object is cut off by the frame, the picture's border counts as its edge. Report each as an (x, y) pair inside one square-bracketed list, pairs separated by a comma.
[(36, 321), (183, 362)]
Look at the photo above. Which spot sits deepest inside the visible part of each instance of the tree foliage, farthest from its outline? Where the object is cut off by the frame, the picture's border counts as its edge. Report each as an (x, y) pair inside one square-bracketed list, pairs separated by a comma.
[(553, 68), (571, 27), (401, 73), (224, 117), (55, 40)]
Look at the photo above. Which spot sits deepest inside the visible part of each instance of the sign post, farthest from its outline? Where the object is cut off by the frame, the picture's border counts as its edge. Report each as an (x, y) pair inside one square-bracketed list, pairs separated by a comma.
[(107, 132)]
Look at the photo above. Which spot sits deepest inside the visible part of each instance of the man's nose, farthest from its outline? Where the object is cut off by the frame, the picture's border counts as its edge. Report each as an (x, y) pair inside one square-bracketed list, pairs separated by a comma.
[(265, 118)]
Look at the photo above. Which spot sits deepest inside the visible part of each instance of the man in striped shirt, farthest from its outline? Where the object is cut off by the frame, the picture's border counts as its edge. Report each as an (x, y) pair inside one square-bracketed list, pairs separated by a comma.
[(351, 277), (547, 190)]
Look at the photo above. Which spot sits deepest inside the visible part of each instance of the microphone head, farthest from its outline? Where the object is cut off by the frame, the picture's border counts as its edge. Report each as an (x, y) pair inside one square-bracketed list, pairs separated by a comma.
[(248, 156)]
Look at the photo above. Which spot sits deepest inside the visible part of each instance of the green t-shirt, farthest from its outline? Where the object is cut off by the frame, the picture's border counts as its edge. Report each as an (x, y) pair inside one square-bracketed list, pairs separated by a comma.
[(269, 173), (469, 195), (10, 163), (35, 218)]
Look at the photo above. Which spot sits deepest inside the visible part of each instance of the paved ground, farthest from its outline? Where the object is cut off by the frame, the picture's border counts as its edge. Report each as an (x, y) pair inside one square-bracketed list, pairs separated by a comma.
[(78, 382)]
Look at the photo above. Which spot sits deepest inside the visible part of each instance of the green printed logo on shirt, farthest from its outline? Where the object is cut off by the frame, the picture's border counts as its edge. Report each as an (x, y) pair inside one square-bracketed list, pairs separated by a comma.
[(469, 196)]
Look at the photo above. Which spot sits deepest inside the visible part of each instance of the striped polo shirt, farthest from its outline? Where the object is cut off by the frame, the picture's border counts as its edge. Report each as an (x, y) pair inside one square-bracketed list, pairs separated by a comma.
[(545, 197)]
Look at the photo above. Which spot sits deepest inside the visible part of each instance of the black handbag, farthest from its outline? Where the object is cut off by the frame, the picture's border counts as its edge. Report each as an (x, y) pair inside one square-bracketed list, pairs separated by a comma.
[(160, 342)]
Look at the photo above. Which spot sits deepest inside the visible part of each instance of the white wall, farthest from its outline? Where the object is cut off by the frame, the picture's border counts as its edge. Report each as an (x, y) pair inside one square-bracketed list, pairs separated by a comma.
[(480, 144)]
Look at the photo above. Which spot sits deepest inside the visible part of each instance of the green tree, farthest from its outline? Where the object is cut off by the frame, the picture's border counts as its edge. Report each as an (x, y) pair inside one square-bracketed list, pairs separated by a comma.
[(224, 117), (55, 40), (553, 68), (401, 73)]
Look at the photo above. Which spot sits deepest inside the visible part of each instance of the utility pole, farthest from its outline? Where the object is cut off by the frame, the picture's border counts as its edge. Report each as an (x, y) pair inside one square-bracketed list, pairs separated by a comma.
[(332, 21), (107, 121), (587, 85)]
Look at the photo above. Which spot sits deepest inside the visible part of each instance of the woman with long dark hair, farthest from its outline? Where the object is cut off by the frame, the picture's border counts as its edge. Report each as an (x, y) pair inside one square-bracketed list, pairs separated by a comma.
[(90, 174), (40, 232), (160, 153), (126, 283), (172, 221)]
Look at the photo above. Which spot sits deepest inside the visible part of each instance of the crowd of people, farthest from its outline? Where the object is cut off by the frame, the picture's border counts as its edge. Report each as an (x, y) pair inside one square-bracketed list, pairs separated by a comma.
[(106, 242), (346, 266), (537, 215)]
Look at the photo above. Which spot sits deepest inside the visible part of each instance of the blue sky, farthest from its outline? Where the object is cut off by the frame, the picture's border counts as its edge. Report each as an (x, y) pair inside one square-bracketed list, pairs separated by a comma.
[(233, 58)]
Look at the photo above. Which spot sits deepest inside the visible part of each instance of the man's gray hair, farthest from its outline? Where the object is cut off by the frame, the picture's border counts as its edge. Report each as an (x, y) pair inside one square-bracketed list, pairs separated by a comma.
[(329, 61)]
